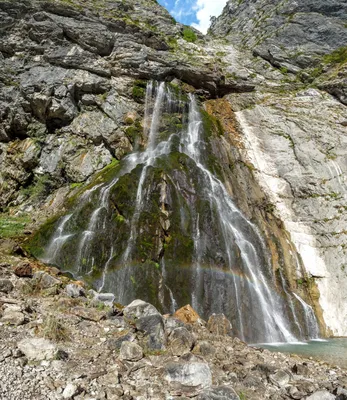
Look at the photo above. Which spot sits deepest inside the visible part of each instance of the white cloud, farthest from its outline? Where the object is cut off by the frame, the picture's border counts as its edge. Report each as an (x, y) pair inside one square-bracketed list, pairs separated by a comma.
[(206, 9), (181, 10)]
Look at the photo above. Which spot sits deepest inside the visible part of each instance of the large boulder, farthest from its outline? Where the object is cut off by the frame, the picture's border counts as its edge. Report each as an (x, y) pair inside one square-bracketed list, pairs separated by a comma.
[(38, 349), (130, 351), (191, 376), (218, 324), (139, 309), (180, 341), (153, 328), (187, 314)]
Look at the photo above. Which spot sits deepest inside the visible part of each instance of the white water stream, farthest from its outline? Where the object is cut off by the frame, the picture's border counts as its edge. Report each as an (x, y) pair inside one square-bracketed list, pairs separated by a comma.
[(310, 318), (252, 286)]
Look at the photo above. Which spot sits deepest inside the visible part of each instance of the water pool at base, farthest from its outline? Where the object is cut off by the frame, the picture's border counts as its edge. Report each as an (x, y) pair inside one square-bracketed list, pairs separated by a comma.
[(332, 351)]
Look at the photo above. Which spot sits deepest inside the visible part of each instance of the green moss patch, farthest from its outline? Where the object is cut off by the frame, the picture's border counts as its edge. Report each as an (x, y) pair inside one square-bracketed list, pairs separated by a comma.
[(139, 90), (13, 226), (338, 56)]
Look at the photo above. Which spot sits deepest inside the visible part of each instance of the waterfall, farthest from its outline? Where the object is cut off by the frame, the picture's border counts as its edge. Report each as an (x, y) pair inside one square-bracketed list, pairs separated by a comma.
[(310, 318), (209, 254), (291, 304), (231, 221), (57, 241)]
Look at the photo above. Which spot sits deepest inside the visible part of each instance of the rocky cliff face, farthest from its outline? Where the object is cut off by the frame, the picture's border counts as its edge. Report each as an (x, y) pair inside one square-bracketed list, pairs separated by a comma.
[(294, 135), (68, 67), (287, 33), (73, 82), (308, 38)]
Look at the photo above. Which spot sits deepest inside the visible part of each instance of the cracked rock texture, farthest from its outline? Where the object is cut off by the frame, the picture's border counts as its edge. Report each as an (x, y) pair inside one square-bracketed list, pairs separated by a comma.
[(72, 84), (292, 33), (72, 79), (294, 135)]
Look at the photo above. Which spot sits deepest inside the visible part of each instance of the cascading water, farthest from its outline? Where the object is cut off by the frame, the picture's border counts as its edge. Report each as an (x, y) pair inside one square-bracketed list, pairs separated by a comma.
[(164, 228), (310, 318)]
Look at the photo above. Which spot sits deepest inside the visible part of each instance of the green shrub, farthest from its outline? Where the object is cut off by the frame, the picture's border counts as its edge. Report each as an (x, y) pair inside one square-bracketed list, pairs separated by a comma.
[(189, 35), (338, 56), (138, 93), (139, 89)]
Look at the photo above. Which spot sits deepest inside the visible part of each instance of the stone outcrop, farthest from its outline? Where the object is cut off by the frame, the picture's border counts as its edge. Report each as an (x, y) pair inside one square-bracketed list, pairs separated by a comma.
[(71, 73), (292, 136), (308, 38), (289, 34)]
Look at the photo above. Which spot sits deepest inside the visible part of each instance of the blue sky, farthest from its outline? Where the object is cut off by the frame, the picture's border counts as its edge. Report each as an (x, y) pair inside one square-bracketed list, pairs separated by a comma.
[(194, 12)]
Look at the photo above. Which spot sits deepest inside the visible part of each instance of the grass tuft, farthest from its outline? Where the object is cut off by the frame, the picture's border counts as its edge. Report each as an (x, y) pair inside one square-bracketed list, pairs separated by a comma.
[(54, 329)]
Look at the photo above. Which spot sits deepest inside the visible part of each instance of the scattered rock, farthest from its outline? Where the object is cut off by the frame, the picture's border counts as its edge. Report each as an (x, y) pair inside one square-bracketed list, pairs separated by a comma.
[(110, 378), (301, 369), (115, 344), (105, 298), (89, 314), (56, 271), (295, 393), (12, 315), (321, 395), (74, 290), (280, 378), (204, 348), (219, 393), (6, 286), (70, 391), (180, 341), (194, 375), (218, 324), (187, 315), (23, 270), (172, 323), (130, 351), (37, 349), (45, 280)]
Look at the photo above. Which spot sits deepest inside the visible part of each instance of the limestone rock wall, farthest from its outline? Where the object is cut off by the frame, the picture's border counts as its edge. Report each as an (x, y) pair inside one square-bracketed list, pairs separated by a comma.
[(72, 84), (294, 135)]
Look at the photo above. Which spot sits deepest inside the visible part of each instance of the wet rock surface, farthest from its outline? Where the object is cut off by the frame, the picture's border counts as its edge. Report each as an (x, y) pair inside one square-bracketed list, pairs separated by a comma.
[(38, 361)]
